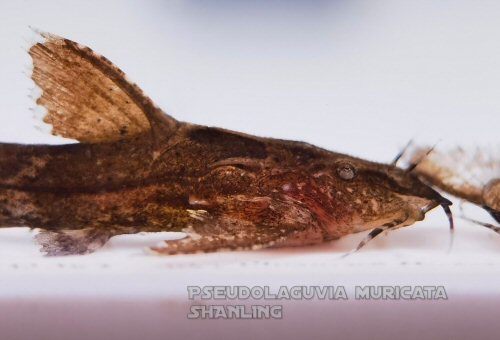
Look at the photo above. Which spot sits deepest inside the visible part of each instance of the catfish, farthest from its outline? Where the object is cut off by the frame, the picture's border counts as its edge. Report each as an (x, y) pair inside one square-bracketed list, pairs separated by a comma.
[(137, 169)]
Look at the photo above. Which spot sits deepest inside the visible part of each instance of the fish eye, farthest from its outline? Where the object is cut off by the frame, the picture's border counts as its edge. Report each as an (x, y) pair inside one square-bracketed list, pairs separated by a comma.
[(346, 171)]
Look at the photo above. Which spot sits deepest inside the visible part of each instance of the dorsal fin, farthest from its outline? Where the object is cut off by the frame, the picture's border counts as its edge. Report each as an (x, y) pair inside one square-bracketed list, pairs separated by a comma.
[(88, 98)]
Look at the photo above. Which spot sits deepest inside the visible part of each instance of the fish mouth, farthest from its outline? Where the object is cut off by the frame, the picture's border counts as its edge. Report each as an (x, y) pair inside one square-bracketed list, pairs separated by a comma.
[(445, 204), (410, 185), (435, 198)]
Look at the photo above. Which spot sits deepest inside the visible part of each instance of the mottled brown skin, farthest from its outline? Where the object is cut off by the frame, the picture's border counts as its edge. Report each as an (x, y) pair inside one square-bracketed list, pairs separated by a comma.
[(137, 169)]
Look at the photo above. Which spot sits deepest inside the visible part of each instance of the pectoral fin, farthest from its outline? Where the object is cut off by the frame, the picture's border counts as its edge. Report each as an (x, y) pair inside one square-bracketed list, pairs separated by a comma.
[(72, 242), (87, 97)]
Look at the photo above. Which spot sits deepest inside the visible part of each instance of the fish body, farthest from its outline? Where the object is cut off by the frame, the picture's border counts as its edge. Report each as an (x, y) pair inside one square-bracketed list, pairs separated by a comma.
[(137, 169)]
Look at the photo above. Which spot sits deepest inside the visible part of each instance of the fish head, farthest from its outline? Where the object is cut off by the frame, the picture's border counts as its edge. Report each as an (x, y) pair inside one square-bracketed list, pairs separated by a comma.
[(359, 195)]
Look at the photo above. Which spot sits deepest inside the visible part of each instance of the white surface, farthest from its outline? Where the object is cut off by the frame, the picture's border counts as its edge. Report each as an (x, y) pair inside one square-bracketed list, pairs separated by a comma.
[(361, 77)]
